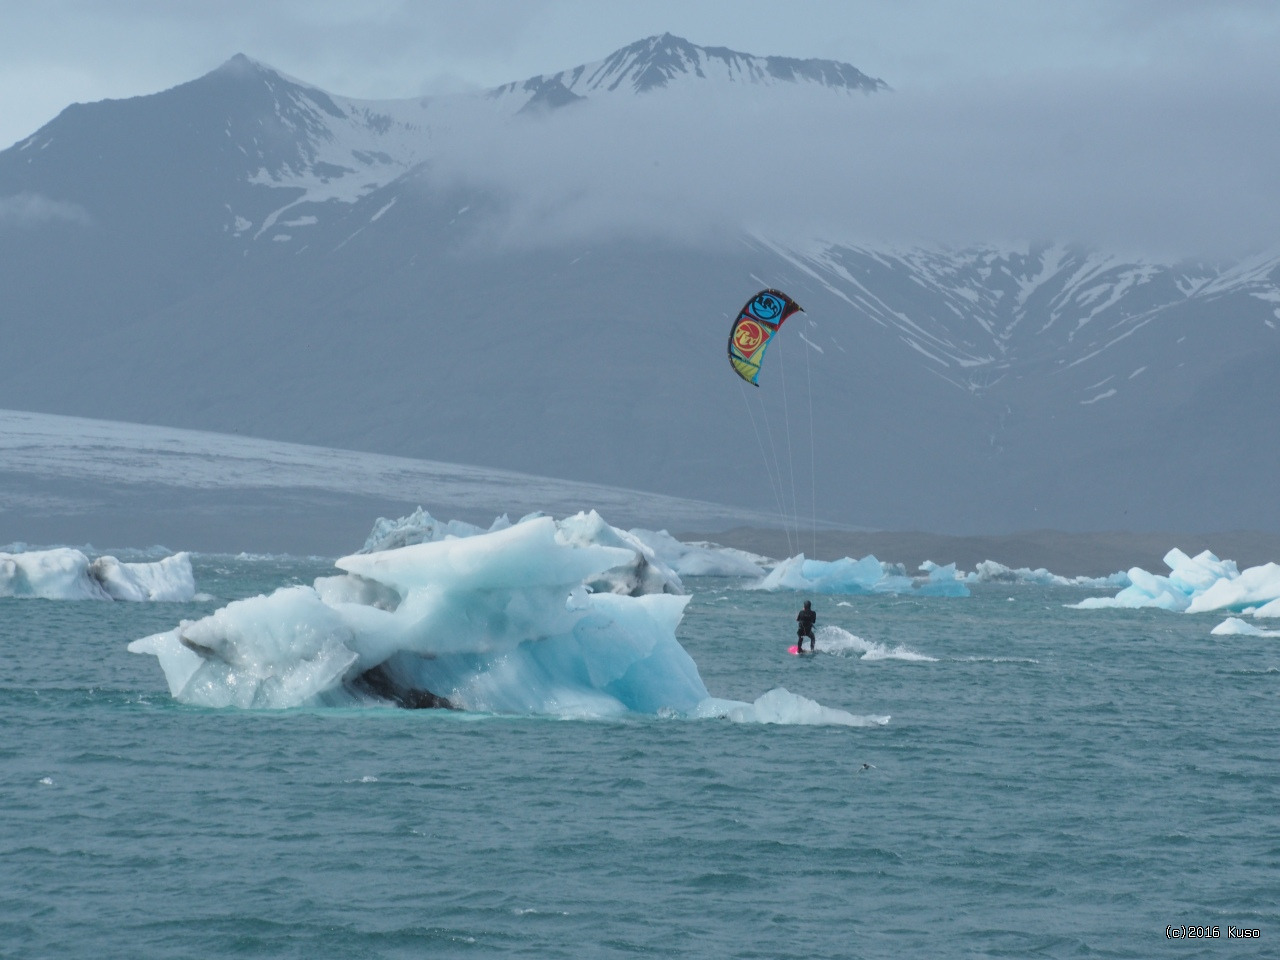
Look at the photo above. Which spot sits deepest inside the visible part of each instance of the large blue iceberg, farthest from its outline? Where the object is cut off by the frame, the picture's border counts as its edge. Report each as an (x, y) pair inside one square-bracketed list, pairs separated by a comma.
[(568, 619)]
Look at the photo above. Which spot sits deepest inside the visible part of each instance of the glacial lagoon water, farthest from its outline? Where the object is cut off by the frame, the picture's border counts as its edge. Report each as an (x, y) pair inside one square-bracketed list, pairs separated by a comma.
[(1051, 783)]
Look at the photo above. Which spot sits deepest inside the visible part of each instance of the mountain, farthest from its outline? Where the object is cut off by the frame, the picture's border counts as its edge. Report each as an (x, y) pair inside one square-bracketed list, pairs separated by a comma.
[(661, 62), (248, 254)]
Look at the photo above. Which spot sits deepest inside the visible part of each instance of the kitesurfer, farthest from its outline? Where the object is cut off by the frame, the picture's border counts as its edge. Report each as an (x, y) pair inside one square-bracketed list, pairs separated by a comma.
[(806, 619)]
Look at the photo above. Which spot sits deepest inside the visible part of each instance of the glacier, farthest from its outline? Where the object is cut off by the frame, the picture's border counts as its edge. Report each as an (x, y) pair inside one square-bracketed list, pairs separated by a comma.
[(64, 573), (569, 618)]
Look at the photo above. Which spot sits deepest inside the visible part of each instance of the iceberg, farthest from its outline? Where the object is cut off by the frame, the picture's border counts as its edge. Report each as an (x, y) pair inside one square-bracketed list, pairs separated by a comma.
[(421, 527), (988, 571), (865, 576), (1196, 585), (642, 573), (568, 619), (701, 559), (1234, 626), (65, 573)]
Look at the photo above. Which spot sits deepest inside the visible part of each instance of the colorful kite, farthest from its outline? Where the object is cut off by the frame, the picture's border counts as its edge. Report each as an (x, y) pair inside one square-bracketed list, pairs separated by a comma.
[(757, 322)]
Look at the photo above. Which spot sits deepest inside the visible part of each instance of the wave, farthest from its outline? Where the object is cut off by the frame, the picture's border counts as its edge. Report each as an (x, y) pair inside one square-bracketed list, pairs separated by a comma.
[(840, 642)]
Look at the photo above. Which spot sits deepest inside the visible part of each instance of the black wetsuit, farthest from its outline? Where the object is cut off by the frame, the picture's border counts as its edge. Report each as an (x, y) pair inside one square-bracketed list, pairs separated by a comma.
[(806, 618)]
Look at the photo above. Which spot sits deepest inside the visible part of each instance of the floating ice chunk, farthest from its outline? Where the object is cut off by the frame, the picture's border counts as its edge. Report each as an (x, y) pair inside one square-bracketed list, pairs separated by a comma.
[(178, 662), (169, 579), (1195, 585), (864, 576), (67, 574), (275, 651), (499, 622), (941, 581), (421, 527), (701, 559), (988, 571), (1236, 626), (1271, 609), (1256, 585), (837, 576), (61, 574), (1195, 574), (781, 706), (643, 572)]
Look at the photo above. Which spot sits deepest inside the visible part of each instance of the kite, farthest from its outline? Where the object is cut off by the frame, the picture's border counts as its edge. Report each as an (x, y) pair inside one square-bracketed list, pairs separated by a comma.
[(757, 322)]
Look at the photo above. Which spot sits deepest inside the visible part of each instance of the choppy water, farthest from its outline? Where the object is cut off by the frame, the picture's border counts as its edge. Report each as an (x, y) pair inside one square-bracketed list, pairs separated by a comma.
[(1052, 783)]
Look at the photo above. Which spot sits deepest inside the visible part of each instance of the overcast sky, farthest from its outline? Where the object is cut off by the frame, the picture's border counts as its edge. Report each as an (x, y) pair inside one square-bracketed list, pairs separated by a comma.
[(1133, 123)]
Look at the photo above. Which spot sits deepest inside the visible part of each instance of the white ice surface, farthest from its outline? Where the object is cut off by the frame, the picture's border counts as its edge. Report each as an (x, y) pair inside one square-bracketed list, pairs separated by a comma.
[(1234, 626), (1198, 584), (868, 575), (701, 559), (642, 572), (988, 571), (65, 573)]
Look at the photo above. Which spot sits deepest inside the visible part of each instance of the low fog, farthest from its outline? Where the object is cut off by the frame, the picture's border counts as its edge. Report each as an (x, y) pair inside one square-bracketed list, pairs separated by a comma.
[(1166, 166)]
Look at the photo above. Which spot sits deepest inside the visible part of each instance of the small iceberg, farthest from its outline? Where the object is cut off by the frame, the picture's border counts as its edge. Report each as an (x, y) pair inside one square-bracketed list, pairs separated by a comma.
[(865, 576), (1234, 626), (65, 573), (988, 571)]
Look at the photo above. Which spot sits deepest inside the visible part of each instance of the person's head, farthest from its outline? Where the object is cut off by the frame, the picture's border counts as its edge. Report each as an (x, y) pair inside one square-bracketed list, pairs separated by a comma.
[(806, 604)]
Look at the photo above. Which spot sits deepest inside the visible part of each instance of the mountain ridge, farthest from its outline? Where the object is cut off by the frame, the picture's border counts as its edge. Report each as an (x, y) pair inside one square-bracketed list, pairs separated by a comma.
[(247, 253)]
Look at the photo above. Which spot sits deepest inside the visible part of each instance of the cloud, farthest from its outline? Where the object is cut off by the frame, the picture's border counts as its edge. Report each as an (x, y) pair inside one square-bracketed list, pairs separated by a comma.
[(33, 209), (1168, 165)]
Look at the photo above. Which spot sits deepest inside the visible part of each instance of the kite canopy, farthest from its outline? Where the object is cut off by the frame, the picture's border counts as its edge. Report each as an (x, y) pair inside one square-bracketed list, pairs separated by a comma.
[(754, 328)]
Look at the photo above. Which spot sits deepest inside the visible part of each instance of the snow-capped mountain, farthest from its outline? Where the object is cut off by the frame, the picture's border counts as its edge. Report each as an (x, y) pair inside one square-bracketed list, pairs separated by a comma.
[(250, 254), (665, 61)]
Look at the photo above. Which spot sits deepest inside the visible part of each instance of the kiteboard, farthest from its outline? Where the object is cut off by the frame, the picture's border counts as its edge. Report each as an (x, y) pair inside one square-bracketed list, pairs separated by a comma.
[(795, 651)]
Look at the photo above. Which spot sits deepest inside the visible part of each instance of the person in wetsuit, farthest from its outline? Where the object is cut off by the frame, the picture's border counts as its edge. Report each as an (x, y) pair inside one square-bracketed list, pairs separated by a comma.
[(805, 620)]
